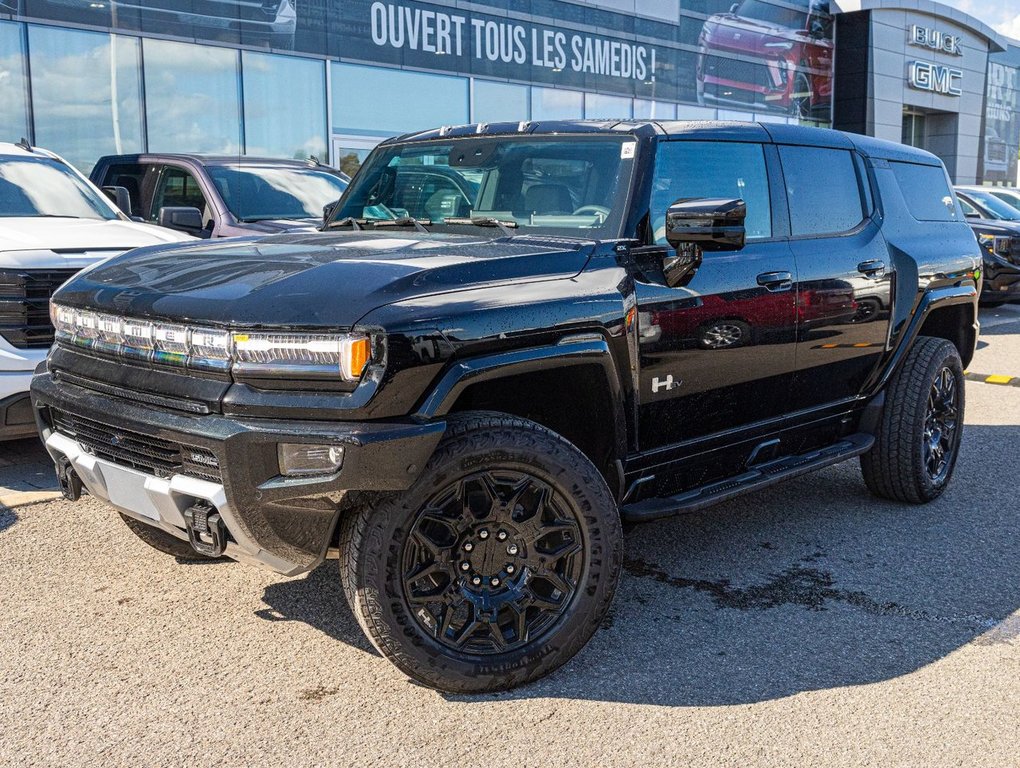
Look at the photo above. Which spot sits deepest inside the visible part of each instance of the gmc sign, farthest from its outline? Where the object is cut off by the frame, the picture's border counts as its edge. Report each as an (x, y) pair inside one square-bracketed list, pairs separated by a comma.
[(936, 78)]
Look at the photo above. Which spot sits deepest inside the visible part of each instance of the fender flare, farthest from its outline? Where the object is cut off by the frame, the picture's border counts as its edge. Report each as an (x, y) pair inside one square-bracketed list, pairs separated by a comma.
[(571, 351), (932, 300)]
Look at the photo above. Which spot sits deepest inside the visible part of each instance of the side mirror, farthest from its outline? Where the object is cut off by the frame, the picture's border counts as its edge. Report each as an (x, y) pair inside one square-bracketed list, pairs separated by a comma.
[(182, 218), (120, 197), (700, 224)]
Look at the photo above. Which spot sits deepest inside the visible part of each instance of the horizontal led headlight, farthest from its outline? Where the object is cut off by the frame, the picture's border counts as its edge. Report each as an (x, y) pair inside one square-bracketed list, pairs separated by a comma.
[(302, 353), (258, 354)]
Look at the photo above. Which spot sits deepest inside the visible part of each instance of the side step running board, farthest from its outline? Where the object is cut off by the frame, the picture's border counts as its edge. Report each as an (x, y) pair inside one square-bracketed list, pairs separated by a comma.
[(756, 477)]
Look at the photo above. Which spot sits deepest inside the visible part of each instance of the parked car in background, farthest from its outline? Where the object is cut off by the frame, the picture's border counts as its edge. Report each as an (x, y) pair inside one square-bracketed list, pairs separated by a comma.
[(768, 55), (53, 222), (1010, 195), (997, 226), (223, 196)]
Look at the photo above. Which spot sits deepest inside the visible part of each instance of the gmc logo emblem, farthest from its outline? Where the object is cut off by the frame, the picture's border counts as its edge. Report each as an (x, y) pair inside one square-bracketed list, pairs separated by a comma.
[(936, 78)]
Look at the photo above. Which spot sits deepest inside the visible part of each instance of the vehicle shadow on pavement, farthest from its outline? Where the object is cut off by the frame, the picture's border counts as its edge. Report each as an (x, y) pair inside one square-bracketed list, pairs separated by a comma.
[(318, 600), (807, 586), (810, 585), (7, 518)]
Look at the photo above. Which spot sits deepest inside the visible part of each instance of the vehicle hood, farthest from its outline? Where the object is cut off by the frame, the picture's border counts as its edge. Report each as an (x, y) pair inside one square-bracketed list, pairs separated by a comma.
[(994, 227), (80, 236), (314, 280)]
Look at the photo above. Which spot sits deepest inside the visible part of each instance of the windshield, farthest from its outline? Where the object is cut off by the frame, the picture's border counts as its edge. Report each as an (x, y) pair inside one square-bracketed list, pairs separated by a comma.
[(996, 208), (554, 185), (41, 186), (773, 14), (258, 193)]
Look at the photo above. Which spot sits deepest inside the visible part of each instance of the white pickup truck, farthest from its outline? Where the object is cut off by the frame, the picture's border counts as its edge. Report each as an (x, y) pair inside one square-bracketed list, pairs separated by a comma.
[(53, 222)]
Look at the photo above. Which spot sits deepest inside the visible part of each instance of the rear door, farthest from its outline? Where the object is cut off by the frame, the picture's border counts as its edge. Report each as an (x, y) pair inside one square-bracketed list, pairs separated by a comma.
[(719, 352), (845, 274)]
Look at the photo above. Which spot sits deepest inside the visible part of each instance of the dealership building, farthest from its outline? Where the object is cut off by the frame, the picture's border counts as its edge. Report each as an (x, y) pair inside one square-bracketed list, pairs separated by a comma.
[(331, 78)]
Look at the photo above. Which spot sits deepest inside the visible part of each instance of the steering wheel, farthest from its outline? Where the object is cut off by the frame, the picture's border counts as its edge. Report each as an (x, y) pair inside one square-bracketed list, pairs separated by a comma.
[(595, 210)]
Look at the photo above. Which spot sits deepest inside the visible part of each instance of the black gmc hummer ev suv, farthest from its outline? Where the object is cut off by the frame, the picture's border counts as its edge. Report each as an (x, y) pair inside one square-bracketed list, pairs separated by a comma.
[(507, 340)]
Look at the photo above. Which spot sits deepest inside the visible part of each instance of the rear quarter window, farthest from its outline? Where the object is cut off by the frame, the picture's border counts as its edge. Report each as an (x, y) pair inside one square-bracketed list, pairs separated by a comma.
[(926, 191)]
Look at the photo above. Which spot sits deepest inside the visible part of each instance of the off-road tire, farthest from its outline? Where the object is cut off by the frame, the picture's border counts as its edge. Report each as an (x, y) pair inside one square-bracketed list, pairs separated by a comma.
[(371, 543), (163, 542), (894, 468)]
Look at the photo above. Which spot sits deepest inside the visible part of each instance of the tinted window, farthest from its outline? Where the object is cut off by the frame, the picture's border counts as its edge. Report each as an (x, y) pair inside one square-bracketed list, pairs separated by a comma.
[(823, 190), (926, 191), (129, 176), (712, 169), (177, 189)]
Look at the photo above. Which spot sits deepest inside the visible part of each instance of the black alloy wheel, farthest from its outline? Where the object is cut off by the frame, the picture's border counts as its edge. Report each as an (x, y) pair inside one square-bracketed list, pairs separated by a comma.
[(917, 441), (940, 424), (495, 567), (492, 562)]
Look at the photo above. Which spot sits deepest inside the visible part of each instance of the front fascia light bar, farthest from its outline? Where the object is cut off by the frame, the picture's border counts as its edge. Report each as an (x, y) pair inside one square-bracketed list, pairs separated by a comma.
[(310, 355)]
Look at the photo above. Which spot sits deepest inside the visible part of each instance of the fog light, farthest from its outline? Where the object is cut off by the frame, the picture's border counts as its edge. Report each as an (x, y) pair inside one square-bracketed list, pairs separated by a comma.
[(309, 459)]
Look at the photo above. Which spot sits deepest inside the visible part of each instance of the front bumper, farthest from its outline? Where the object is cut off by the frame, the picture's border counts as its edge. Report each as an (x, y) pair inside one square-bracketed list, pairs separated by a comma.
[(1001, 280), (284, 523)]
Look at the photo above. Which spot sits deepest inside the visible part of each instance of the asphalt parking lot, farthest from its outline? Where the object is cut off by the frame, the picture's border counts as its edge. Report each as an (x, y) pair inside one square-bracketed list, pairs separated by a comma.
[(808, 624)]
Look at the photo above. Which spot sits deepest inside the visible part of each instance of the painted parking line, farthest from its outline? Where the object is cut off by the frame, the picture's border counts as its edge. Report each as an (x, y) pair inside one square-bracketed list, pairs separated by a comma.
[(994, 378)]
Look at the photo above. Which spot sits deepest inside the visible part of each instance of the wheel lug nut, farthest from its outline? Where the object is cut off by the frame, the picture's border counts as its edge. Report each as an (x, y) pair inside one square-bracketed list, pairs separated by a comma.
[(494, 582), (468, 546), (483, 534), (510, 569), (476, 580), (465, 566), (512, 549), (501, 535)]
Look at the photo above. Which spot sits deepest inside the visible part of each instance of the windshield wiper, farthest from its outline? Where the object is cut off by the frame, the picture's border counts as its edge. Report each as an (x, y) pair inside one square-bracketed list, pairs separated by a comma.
[(349, 221), (403, 221), (503, 226)]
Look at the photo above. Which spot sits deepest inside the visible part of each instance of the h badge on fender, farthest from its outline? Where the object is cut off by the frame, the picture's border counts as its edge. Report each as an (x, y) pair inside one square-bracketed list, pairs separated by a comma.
[(667, 384)]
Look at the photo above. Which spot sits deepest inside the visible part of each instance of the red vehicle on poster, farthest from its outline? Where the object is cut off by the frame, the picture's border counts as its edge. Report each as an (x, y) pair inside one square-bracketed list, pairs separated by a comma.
[(773, 57)]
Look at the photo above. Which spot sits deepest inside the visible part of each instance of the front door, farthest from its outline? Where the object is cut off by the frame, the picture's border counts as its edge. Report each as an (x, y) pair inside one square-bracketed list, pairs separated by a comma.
[(719, 352)]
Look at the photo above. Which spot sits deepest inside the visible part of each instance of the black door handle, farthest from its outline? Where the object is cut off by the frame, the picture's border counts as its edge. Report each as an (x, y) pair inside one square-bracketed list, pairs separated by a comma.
[(872, 268), (776, 281)]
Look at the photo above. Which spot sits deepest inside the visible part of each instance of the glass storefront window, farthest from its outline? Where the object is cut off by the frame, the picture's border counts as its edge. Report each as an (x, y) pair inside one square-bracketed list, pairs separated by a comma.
[(556, 104), (284, 106), (13, 93), (597, 105), (86, 93), (382, 101), (654, 110), (498, 102), (192, 98)]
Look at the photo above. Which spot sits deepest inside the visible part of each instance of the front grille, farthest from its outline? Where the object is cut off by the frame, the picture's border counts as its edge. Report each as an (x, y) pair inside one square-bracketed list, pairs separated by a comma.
[(740, 71), (151, 455), (25, 305)]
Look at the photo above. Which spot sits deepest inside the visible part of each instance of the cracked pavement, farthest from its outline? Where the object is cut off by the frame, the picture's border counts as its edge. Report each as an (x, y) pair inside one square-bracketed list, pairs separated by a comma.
[(807, 624)]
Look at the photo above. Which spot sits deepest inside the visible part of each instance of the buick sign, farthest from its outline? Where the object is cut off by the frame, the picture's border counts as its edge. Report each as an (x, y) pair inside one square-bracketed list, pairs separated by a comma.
[(935, 40)]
